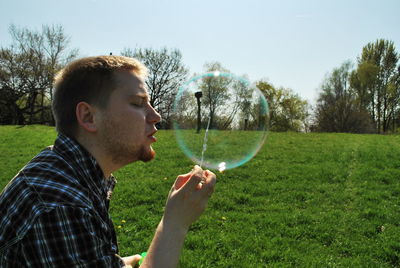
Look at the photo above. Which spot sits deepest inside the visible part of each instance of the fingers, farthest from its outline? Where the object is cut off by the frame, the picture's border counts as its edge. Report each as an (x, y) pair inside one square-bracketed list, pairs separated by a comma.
[(194, 179), (210, 177), (208, 183), (197, 179)]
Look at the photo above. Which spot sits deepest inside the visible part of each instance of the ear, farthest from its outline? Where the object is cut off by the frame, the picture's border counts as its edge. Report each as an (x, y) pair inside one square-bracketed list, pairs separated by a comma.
[(85, 115)]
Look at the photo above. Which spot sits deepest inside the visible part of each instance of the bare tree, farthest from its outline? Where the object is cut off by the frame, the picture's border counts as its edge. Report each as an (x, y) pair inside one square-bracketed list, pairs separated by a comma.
[(215, 91), (13, 86), (166, 74), (337, 109), (27, 71)]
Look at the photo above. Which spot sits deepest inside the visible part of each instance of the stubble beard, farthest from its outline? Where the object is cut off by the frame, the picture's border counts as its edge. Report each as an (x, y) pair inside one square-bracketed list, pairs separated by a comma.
[(122, 153)]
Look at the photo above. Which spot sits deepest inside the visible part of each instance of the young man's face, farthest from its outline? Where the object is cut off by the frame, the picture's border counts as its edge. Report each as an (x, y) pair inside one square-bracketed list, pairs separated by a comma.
[(127, 125)]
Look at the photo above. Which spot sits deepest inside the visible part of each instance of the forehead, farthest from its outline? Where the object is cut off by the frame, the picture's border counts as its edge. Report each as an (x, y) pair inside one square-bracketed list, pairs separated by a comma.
[(128, 83)]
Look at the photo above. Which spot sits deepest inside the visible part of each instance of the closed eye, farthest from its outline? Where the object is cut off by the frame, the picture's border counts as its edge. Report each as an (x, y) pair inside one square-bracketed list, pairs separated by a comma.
[(138, 101)]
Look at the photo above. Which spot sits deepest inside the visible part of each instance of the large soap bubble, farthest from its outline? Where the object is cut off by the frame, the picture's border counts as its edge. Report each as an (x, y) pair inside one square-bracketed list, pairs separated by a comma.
[(220, 120)]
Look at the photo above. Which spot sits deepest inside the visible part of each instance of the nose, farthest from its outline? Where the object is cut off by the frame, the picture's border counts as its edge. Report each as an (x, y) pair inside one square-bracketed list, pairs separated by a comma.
[(153, 116)]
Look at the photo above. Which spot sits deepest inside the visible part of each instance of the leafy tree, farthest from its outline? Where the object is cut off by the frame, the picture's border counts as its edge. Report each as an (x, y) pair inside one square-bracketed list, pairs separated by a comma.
[(288, 112), (27, 69), (376, 83), (363, 82), (166, 74)]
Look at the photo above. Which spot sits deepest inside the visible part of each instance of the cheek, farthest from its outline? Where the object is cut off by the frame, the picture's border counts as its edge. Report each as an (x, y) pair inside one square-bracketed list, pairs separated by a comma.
[(134, 121)]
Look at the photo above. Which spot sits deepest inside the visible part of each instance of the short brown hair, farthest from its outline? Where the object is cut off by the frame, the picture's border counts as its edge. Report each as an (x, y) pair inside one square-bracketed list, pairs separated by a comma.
[(88, 79)]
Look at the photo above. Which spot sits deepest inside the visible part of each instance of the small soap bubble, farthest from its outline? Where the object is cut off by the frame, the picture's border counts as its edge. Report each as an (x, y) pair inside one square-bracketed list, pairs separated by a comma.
[(220, 120)]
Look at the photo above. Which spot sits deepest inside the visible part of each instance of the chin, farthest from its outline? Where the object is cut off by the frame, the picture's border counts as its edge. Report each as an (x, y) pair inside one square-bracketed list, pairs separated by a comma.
[(147, 155)]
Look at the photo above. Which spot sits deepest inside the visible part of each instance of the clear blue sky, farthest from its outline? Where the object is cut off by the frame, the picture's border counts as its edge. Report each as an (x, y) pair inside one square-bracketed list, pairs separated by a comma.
[(289, 43)]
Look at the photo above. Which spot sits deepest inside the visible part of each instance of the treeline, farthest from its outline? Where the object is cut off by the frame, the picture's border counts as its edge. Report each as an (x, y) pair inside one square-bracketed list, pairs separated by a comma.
[(362, 99)]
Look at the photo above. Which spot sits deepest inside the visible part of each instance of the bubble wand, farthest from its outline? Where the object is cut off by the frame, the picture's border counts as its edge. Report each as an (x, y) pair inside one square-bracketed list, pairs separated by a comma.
[(243, 104), (205, 142)]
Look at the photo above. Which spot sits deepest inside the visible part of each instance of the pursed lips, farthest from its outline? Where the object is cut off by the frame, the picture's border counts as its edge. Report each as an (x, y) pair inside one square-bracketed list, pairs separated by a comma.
[(151, 135)]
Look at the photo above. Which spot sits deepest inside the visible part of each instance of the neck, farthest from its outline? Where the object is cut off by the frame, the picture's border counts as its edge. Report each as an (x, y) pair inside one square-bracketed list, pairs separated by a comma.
[(95, 149)]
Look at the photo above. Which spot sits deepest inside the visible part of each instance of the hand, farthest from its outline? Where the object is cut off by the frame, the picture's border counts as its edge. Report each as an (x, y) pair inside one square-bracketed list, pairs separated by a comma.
[(131, 261), (185, 203), (188, 198)]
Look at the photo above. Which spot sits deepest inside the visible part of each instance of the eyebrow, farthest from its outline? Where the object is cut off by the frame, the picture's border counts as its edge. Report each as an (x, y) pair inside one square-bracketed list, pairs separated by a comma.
[(139, 95)]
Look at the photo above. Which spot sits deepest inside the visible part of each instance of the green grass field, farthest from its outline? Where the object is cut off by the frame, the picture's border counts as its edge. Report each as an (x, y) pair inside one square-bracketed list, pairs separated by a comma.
[(306, 200)]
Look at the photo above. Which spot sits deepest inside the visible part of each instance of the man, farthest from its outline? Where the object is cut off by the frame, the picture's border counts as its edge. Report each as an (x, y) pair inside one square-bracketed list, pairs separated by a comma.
[(54, 213)]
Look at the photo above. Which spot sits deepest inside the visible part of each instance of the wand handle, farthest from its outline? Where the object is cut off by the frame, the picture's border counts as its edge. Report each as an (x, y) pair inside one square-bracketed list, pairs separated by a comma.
[(143, 255)]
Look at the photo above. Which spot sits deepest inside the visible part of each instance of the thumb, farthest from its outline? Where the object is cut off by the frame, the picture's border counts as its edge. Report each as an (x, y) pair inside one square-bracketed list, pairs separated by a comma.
[(181, 180), (131, 260)]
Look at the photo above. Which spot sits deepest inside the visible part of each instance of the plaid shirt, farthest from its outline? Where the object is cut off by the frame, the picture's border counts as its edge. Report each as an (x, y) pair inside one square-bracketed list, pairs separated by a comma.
[(54, 213)]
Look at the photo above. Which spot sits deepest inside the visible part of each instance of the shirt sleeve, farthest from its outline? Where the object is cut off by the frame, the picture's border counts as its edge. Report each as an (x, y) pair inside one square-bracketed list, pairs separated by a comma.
[(68, 236)]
